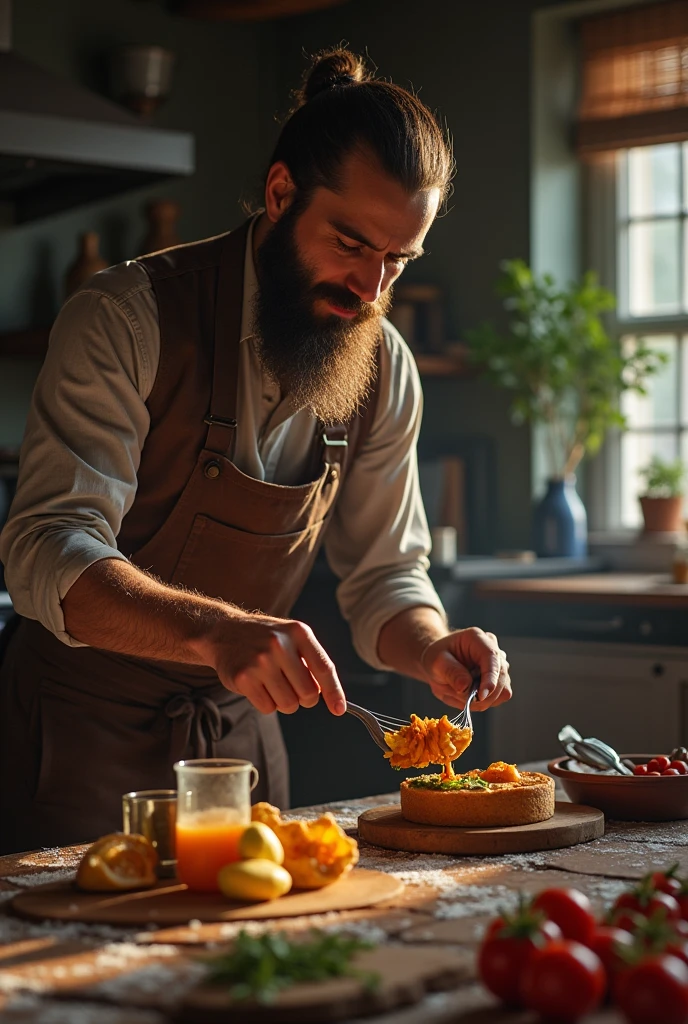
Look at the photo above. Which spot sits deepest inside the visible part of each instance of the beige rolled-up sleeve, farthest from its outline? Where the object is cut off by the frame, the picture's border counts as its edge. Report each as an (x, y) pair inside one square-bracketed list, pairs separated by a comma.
[(81, 451), (378, 541)]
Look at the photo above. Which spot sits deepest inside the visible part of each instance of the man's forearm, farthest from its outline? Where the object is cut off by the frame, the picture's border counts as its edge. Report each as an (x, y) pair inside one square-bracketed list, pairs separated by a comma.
[(117, 607), (277, 664), (403, 639)]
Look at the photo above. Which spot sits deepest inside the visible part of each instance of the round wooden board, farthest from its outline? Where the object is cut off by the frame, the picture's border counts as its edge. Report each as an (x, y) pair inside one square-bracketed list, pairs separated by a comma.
[(405, 974), (571, 824), (171, 903)]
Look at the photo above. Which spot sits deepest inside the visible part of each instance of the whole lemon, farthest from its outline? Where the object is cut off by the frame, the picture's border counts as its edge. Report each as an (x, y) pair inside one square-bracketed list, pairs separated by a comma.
[(259, 841), (253, 880)]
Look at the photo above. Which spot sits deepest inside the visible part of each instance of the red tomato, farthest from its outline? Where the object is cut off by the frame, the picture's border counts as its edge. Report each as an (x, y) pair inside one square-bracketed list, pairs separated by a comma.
[(666, 881), (570, 909), (653, 765), (654, 990), (504, 954), (607, 943), (563, 981), (662, 762), (654, 773), (680, 766), (644, 902), (678, 947), (682, 899), (640, 769), (670, 771)]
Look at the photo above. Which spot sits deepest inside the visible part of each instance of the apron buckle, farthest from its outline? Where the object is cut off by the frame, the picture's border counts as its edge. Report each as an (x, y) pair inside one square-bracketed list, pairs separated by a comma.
[(213, 421), (335, 442)]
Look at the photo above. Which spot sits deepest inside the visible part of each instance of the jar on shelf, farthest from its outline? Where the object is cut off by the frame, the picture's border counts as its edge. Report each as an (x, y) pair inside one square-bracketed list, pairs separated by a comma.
[(679, 568)]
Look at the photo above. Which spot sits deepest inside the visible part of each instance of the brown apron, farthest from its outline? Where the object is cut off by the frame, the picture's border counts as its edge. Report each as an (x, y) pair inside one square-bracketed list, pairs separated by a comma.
[(80, 726)]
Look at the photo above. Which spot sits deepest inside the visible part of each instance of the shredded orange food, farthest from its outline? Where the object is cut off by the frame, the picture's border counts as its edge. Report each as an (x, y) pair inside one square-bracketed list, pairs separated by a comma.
[(427, 741)]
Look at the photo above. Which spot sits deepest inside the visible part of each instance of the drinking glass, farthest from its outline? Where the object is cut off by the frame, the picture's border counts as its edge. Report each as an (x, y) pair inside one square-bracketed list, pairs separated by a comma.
[(153, 813), (213, 809)]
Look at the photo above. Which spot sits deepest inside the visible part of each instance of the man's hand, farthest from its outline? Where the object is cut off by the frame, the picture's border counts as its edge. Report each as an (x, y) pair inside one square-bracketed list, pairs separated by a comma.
[(453, 662), (277, 664)]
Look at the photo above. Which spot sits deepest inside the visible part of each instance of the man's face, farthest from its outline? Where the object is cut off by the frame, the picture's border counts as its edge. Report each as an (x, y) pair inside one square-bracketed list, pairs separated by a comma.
[(325, 273)]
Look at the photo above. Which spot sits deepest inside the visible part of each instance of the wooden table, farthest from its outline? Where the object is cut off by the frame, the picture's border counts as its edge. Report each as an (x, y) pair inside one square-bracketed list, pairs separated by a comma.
[(91, 974)]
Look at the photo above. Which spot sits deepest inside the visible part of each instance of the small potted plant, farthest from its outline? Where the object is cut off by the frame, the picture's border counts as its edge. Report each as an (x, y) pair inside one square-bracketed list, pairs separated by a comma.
[(565, 374), (662, 496)]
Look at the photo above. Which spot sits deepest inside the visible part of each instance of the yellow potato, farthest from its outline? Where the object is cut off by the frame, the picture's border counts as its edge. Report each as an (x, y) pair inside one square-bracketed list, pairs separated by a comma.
[(253, 880), (259, 841)]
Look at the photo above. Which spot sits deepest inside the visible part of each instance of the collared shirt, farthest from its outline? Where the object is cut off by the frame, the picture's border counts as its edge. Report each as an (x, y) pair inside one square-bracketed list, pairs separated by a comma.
[(87, 426)]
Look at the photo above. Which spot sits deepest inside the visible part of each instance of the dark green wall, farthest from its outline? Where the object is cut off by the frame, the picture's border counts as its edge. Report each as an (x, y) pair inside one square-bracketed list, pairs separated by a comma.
[(471, 60), (223, 92)]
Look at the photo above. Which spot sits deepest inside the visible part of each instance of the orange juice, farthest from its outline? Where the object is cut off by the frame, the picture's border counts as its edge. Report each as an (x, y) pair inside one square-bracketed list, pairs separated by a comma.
[(206, 841)]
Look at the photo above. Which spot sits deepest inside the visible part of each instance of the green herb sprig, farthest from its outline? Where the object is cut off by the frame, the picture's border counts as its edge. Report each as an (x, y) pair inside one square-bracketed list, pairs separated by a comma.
[(437, 782), (260, 967)]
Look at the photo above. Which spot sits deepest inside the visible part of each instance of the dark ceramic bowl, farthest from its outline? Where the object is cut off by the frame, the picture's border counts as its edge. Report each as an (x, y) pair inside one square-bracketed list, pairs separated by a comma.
[(626, 798)]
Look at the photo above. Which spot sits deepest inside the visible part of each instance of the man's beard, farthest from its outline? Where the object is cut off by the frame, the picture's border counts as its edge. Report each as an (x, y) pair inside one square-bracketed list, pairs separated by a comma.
[(325, 364)]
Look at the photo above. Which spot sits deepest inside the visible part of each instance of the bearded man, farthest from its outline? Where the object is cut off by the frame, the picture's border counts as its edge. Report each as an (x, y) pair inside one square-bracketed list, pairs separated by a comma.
[(206, 417)]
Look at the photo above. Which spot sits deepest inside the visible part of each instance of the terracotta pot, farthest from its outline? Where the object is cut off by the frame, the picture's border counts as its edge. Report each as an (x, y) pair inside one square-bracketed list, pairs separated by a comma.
[(663, 515)]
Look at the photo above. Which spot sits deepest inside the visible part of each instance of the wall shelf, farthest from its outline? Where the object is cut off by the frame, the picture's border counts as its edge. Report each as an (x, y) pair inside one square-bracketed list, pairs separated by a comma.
[(438, 364), (31, 343)]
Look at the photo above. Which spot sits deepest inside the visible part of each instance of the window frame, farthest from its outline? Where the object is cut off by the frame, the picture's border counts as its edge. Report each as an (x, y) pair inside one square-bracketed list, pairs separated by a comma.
[(604, 203)]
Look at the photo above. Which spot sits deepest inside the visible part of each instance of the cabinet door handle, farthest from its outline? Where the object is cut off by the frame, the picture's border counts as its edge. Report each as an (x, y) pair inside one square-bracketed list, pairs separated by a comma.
[(592, 625)]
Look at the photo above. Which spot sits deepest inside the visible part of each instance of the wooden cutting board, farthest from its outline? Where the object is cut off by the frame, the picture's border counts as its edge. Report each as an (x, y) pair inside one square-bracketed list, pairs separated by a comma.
[(171, 903), (571, 824), (405, 975)]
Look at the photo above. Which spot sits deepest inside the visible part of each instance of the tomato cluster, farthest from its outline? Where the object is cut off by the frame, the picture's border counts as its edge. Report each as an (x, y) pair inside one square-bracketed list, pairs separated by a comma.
[(661, 765), (554, 957)]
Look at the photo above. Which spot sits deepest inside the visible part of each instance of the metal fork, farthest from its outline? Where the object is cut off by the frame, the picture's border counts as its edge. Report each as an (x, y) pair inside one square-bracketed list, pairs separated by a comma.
[(377, 725)]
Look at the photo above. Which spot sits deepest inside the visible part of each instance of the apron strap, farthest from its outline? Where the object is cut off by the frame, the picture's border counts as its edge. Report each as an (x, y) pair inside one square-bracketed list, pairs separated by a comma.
[(221, 419), (335, 440)]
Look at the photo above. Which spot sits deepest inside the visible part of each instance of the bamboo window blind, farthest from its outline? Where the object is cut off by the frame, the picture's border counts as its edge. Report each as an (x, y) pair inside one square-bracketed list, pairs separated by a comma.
[(634, 78)]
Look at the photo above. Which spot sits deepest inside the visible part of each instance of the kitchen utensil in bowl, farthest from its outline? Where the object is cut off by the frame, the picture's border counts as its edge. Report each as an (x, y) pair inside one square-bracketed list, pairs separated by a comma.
[(591, 751), (624, 798)]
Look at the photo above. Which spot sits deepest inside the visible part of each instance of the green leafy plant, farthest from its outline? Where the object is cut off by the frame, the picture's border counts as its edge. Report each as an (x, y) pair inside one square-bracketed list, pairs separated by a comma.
[(260, 967), (663, 479), (556, 357)]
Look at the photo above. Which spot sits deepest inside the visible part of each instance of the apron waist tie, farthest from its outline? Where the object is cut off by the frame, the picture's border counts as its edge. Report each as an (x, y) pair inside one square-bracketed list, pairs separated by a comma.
[(196, 725)]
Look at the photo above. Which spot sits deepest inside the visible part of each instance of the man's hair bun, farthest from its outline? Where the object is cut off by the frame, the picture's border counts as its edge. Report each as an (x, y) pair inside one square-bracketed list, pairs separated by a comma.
[(342, 106), (331, 69)]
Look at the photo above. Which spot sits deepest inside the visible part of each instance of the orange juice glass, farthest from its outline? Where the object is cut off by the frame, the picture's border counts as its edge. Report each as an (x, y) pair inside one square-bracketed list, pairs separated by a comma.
[(213, 809)]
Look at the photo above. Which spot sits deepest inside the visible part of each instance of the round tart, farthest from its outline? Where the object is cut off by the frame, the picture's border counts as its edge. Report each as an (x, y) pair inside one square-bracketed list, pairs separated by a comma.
[(499, 796)]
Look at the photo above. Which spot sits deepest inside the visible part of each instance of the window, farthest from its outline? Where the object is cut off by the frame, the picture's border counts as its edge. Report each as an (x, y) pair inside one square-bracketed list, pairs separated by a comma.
[(631, 125), (647, 267)]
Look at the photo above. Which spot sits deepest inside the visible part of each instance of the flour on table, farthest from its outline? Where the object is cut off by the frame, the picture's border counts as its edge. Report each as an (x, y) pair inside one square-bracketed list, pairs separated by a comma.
[(29, 1008), (41, 877), (163, 984)]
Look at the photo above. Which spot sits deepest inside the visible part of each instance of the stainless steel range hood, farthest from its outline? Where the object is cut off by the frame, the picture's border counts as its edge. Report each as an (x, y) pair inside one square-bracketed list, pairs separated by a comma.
[(62, 146)]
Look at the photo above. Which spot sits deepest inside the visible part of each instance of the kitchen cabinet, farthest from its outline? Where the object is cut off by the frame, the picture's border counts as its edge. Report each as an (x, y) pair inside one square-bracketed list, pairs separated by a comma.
[(632, 696)]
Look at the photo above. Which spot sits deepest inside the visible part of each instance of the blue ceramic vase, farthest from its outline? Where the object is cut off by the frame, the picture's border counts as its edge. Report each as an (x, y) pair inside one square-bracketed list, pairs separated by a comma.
[(560, 525)]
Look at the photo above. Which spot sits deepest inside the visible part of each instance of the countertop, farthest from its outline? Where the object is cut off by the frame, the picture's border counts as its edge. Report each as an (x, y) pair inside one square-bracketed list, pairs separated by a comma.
[(646, 589), (107, 975)]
